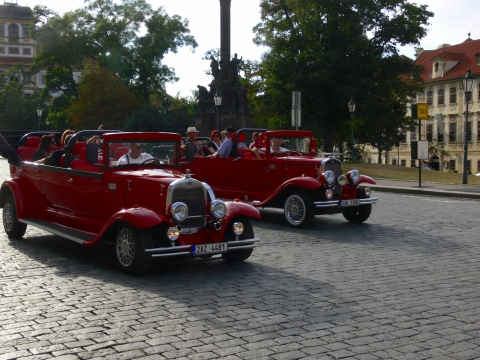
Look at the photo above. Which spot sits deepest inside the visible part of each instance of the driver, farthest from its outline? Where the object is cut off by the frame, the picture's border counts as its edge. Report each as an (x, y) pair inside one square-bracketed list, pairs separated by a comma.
[(135, 155), (274, 148)]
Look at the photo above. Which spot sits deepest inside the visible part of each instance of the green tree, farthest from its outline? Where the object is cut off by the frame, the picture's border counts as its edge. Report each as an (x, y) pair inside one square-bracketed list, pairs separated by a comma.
[(332, 50), (103, 100)]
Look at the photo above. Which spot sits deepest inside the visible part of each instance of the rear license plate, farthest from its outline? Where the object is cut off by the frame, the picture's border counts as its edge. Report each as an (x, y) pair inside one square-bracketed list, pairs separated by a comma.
[(353, 202), (207, 249)]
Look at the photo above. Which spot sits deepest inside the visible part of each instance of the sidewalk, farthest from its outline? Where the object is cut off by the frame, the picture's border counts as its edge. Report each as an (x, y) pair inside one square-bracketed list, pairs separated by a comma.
[(427, 188)]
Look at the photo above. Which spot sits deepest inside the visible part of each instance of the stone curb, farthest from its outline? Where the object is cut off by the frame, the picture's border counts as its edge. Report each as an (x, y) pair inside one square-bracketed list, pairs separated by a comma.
[(430, 192)]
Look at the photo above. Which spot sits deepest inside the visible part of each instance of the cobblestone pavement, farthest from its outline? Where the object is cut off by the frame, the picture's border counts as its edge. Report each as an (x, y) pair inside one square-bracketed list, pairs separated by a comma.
[(404, 285)]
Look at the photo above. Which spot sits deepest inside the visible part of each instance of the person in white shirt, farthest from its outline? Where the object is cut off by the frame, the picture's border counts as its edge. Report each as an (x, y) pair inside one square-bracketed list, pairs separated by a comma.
[(274, 148), (135, 155)]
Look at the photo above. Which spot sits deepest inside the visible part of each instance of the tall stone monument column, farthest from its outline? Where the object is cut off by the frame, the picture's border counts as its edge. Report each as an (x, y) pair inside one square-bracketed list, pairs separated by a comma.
[(225, 29), (234, 110)]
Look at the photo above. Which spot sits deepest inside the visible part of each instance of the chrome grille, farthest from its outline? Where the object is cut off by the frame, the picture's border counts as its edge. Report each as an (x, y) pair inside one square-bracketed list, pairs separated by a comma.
[(193, 196), (336, 167)]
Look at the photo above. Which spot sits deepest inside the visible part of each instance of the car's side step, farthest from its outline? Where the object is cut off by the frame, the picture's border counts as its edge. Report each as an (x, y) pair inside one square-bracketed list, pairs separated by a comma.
[(60, 230)]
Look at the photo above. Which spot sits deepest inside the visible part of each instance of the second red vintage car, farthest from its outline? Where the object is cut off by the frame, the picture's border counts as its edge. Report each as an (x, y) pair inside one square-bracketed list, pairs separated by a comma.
[(127, 191), (291, 177)]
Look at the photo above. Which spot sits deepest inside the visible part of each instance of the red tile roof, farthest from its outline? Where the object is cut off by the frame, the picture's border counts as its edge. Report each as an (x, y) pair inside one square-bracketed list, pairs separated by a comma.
[(465, 53)]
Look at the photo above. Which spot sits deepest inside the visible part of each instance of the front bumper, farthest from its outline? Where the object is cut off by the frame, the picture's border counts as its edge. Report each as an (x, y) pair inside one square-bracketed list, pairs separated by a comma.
[(336, 203), (186, 250)]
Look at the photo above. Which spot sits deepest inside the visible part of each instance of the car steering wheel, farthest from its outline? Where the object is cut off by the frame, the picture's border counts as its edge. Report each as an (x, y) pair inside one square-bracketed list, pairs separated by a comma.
[(151, 159)]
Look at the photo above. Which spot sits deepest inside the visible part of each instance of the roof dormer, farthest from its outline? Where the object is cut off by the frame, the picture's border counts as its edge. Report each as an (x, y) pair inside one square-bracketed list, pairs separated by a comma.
[(443, 61)]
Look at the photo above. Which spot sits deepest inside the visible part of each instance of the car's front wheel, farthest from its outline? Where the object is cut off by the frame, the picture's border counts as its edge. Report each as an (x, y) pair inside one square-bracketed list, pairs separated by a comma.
[(243, 254), (298, 209), (13, 228), (357, 214), (130, 245)]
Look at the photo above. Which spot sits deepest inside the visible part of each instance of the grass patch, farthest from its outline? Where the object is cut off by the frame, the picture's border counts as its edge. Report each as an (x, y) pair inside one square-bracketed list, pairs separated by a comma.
[(392, 172)]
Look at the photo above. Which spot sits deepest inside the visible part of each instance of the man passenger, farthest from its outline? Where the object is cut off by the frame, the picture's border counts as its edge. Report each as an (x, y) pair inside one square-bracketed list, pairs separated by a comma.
[(192, 138), (135, 155)]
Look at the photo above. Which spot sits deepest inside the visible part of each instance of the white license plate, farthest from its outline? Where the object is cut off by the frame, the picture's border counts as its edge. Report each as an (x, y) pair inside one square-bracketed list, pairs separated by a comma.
[(207, 249), (353, 202)]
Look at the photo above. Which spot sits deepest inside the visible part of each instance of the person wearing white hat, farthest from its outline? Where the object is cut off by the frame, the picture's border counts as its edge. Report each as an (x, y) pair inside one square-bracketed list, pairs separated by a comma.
[(192, 137)]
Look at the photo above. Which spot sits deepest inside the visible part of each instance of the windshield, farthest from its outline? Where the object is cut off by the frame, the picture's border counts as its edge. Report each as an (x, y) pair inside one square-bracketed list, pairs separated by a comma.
[(290, 144), (135, 152)]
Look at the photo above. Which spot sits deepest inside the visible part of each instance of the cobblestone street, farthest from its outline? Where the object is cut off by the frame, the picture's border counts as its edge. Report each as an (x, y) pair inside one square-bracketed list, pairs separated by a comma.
[(403, 285)]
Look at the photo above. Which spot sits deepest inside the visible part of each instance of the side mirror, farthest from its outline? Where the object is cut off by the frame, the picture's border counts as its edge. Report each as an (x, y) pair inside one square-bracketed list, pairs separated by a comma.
[(92, 153)]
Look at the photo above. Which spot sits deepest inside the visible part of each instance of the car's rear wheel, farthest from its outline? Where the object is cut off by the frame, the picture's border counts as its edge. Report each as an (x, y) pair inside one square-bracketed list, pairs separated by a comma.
[(130, 245), (357, 214), (299, 209), (243, 254), (13, 228)]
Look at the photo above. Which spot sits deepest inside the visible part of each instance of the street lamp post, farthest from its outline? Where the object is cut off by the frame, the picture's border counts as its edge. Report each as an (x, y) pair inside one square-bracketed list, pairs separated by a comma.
[(218, 102), (166, 104), (39, 113), (351, 109), (48, 124), (468, 81)]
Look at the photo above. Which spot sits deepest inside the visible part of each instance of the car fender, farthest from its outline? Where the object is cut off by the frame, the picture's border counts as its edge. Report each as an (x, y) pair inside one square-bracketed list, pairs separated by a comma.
[(235, 208), (366, 179), (139, 217), (302, 182), (10, 186)]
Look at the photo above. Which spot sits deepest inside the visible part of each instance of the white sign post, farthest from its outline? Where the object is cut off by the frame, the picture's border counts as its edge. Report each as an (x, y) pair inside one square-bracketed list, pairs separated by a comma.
[(296, 109)]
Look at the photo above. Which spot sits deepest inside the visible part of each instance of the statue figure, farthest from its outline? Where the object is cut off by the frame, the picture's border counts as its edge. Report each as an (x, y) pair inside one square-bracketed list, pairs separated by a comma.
[(234, 65), (215, 69), (202, 98)]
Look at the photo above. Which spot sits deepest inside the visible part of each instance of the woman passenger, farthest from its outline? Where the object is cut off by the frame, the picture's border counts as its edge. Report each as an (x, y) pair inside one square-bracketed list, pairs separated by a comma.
[(215, 142), (46, 147)]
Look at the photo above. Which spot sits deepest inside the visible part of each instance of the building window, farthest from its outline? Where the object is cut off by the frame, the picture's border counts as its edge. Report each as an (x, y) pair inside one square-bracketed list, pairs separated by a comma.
[(430, 97), (413, 135), (451, 165), (441, 96), (452, 136), (453, 95), (429, 132), (403, 162), (436, 67), (27, 51), (469, 168), (2, 30), (469, 131), (13, 50), (394, 162), (26, 32), (439, 136), (2, 49), (28, 79), (478, 131), (478, 165), (42, 78), (13, 33), (412, 163)]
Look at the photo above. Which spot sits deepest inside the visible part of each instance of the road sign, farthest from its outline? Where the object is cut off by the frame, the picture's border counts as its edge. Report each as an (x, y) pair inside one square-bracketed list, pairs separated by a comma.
[(420, 111)]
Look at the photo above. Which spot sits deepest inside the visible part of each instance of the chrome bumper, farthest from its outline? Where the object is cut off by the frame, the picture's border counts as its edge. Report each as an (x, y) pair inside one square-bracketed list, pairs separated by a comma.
[(336, 203), (186, 250)]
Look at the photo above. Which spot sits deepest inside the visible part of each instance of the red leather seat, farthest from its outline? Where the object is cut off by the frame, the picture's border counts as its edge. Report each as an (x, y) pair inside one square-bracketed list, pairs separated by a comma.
[(81, 163), (119, 152), (77, 148), (31, 145)]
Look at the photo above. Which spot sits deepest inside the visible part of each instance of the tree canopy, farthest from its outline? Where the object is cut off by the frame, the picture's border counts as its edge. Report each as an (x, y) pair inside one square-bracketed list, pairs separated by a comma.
[(332, 51)]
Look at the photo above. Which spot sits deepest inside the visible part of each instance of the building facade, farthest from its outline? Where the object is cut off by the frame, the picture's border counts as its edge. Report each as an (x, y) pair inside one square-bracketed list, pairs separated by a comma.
[(443, 69)]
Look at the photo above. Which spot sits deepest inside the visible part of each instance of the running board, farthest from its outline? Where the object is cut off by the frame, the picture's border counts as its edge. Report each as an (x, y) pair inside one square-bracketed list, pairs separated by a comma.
[(60, 230)]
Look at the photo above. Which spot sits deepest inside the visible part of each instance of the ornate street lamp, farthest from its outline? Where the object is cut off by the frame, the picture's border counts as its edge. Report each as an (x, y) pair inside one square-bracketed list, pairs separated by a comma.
[(351, 109), (468, 81), (218, 102), (39, 113)]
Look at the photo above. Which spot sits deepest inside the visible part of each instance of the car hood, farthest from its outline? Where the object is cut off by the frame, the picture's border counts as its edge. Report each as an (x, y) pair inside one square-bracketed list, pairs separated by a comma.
[(147, 175)]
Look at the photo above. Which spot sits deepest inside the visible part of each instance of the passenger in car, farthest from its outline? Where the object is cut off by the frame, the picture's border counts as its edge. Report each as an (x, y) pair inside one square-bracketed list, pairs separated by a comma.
[(135, 155), (46, 147), (192, 137), (252, 144), (226, 147), (215, 142), (274, 148)]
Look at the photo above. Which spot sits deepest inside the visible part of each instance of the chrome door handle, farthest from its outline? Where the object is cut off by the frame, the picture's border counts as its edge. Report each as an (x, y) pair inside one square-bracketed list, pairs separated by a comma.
[(70, 180)]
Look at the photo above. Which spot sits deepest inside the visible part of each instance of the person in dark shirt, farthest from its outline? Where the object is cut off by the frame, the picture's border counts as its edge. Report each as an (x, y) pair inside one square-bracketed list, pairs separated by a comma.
[(55, 158), (46, 148)]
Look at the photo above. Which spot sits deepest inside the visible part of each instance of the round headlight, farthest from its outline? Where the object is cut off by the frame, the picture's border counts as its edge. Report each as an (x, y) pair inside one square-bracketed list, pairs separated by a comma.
[(218, 209), (368, 191), (329, 194), (342, 180), (355, 176), (173, 233), (238, 228), (329, 177), (179, 211)]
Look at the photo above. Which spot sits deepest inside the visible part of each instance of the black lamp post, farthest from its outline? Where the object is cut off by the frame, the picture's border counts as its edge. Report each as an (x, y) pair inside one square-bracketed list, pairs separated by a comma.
[(218, 102), (166, 104), (468, 81), (351, 109), (39, 113)]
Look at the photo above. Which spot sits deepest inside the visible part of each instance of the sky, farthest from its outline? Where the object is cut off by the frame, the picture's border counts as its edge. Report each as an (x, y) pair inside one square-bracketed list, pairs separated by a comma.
[(452, 22)]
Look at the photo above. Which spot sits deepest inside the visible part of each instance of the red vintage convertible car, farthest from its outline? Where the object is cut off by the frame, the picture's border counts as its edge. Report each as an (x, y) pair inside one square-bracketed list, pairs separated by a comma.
[(147, 209), (291, 178)]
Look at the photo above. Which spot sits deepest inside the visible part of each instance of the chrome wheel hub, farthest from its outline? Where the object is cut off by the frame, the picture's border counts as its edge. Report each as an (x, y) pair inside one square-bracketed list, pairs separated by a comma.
[(125, 245)]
